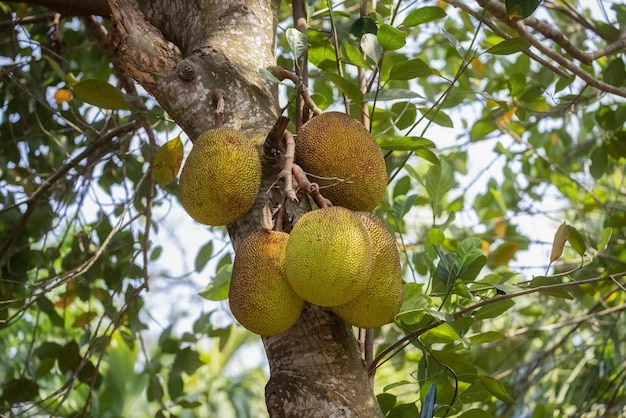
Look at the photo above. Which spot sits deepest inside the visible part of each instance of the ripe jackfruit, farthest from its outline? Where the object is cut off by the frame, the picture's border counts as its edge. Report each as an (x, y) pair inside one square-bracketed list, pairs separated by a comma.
[(382, 298), (329, 256), (259, 295), (343, 158), (221, 177)]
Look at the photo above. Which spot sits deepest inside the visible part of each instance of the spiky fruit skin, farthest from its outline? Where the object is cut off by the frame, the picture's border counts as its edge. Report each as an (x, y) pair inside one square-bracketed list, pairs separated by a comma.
[(329, 256), (221, 177), (334, 145), (260, 297), (381, 300)]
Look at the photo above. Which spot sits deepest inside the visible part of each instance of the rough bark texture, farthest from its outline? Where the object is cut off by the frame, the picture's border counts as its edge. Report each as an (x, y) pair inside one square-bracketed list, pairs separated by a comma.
[(317, 371), (180, 52)]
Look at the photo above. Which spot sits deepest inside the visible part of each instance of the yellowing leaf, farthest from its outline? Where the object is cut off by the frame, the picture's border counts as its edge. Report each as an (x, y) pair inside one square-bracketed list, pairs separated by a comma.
[(84, 319), (560, 238), (167, 161), (506, 117), (63, 95), (504, 253), (478, 66), (499, 227)]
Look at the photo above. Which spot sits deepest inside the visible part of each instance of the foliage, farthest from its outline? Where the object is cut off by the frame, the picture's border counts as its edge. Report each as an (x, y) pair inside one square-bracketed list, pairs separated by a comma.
[(491, 143)]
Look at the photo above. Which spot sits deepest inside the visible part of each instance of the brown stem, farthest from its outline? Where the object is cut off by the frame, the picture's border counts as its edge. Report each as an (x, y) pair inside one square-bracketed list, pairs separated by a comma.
[(312, 189), (285, 174), (273, 142), (284, 74)]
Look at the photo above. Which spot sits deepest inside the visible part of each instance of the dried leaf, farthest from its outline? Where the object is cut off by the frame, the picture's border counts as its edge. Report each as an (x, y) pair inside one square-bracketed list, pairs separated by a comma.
[(167, 161), (560, 238)]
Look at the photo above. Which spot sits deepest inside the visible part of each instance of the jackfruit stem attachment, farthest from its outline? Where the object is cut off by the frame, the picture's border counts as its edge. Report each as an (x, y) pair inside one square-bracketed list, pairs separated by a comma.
[(312, 189), (285, 174), (284, 74), (217, 96)]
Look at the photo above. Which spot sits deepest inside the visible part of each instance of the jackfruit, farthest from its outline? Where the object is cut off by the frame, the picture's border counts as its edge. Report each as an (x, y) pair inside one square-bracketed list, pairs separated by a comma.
[(344, 159), (382, 298), (260, 297), (329, 256), (221, 177)]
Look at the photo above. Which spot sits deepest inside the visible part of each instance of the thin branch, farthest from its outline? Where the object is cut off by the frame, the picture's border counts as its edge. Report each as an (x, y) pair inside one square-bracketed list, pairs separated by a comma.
[(286, 173), (284, 74), (491, 25), (312, 189), (499, 12), (46, 185), (387, 353)]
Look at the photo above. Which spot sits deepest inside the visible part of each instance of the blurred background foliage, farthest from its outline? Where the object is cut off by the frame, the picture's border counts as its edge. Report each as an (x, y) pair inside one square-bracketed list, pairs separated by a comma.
[(493, 140)]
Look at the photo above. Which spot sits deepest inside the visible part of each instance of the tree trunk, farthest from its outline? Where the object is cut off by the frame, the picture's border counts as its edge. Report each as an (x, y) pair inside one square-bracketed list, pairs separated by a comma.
[(182, 52)]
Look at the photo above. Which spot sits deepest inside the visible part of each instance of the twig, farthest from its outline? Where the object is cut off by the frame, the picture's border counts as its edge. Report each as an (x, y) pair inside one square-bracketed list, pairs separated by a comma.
[(272, 147), (37, 194), (499, 12), (491, 25), (402, 342), (284, 74), (312, 189), (286, 173)]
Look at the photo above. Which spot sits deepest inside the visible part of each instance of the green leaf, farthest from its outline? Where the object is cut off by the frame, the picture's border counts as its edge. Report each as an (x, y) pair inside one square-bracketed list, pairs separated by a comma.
[(447, 270), (496, 389), (468, 250), (217, 289), (486, 337), (297, 41), (69, 357), (371, 47), (604, 238), (423, 15), (100, 94), (444, 333), (436, 236), (408, 70), (347, 87), (438, 117), (386, 401), (494, 309), (615, 73), (482, 128), (464, 370), (509, 46), (428, 155), (186, 360), (520, 9), (576, 240), (391, 38), (354, 56), (404, 143), (390, 94), (557, 292), (19, 390), (204, 255), (438, 181), (362, 26)]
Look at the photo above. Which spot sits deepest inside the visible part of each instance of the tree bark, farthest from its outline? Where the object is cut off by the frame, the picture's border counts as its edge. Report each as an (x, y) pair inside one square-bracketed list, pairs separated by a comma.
[(181, 52)]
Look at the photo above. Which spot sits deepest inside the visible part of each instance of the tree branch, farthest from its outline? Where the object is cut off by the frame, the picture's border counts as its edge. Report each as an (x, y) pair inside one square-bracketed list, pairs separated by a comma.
[(387, 353), (498, 10)]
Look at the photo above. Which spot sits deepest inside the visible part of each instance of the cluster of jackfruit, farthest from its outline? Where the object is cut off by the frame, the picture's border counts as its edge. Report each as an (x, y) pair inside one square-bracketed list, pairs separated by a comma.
[(340, 257)]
